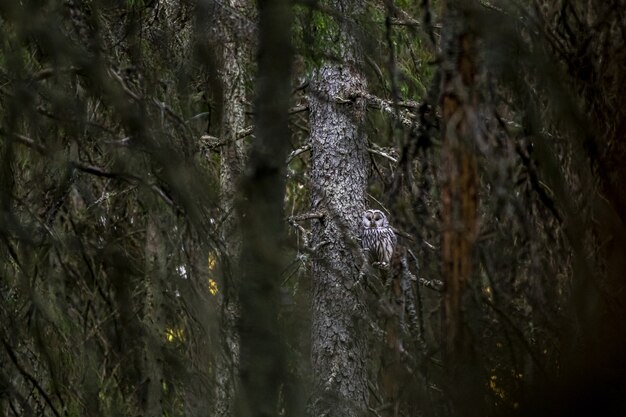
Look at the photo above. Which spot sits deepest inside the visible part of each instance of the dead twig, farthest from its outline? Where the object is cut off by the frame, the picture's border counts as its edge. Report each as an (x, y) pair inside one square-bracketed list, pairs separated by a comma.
[(295, 153), (213, 142), (383, 154), (433, 284), (306, 234)]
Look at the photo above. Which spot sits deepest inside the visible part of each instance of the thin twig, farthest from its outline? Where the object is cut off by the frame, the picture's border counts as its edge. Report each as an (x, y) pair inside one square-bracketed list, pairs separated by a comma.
[(306, 234), (379, 203), (213, 142), (297, 152), (406, 118), (49, 72), (383, 154), (127, 90), (409, 236), (91, 169), (298, 109), (31, 143), (433, 284), (119, 142), (308, 216)]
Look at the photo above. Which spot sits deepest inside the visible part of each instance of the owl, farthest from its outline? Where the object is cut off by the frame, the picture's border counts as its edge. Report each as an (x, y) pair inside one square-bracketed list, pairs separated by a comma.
[(378, 237)]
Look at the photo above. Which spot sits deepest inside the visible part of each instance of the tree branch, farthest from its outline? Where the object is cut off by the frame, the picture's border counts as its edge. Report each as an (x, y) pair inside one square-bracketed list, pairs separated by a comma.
[(26, 141), (126, 89), (297, 152), (213, 142), (293, 221), (91, 169), (30, 378), (433, 284), (406, 118), (383, 154)]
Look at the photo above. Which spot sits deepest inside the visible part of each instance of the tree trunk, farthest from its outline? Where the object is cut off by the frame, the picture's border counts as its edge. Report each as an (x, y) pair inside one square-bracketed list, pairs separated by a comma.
[(392, 373), (459, 204), (236, 62), (263, 360), (156, 272), (338, 182)]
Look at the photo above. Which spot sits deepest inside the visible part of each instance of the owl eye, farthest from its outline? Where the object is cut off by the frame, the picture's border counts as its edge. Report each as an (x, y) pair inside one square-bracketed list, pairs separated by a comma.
[(377, 216)]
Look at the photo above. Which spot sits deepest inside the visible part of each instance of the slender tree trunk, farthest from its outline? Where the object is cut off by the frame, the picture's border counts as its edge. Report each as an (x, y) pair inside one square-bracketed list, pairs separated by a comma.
[(236, 62), (459, 204), (338, 182), (392, 373), (156, 271), (263, 361)]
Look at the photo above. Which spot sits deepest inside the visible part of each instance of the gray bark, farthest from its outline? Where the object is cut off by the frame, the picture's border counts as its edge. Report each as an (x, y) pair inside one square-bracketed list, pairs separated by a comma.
[(236, 60), (338, 182)]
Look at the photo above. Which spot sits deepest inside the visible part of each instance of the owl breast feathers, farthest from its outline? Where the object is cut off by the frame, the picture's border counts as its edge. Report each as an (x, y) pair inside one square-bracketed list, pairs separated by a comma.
[(378, 237)]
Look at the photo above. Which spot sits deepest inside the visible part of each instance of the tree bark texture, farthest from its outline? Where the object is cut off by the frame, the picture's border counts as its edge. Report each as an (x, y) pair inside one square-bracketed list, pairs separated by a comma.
[(459, 200), (338, 183), (156, 272), (237, 57)]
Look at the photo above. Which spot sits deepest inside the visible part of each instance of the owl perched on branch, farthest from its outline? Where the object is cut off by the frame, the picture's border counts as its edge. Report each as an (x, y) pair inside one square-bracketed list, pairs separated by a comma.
[(379, 240)]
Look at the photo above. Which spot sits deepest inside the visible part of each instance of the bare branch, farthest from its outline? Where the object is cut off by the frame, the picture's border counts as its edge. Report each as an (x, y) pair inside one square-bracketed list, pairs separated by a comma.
[(94, 170), (119, 142), (409, 236), (383, 154), (319, 245), (213, 142), (406, 118), (306, 234), (433, 284), (164, 106), (49, 72), (298, 109), (297, 152), (126, 89), (309, 216), (31, 143), (379, 203)]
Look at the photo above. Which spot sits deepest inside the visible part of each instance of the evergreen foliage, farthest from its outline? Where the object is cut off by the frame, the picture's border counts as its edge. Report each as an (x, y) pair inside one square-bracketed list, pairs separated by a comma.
[(494, 141)]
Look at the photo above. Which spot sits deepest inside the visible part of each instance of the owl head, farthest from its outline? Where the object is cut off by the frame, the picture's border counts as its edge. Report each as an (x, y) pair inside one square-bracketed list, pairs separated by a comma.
[(374, 219)]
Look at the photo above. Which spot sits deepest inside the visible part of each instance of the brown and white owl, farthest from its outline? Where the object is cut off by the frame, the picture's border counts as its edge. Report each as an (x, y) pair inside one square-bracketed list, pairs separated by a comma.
[(379, 240)]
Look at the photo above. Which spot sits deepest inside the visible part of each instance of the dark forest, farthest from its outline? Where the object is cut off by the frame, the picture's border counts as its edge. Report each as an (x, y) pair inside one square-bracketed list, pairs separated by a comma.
[(325, 208)]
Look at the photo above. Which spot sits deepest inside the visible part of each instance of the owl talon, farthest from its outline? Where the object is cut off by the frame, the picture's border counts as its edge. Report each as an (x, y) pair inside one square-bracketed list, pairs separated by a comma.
[(381, 265)]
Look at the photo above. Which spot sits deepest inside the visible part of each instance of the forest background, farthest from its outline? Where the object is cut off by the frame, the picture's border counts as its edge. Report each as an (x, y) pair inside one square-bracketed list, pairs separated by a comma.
[(181, 190)]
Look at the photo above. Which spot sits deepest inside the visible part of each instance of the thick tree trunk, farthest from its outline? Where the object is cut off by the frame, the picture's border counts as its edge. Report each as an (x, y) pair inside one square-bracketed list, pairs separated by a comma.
[(338, 182)]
